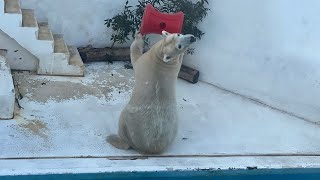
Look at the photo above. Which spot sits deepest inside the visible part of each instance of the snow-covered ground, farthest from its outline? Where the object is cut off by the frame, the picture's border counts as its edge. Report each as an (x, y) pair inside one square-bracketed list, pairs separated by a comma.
[(64, 121)]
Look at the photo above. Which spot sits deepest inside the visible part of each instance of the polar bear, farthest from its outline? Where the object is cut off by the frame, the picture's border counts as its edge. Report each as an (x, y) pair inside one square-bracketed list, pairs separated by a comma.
[(149, 122)]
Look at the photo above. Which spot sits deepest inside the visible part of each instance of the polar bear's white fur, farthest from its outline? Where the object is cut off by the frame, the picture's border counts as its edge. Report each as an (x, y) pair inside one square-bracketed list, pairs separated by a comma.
[(149, 121)]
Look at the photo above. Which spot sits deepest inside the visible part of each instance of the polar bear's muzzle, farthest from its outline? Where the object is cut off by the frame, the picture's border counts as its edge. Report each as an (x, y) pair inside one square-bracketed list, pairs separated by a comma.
[(193, 39), (185, 41)]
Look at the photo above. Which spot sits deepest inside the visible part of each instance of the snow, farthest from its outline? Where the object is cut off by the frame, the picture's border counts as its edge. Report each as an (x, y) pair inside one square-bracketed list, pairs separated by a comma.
[(213, 123)]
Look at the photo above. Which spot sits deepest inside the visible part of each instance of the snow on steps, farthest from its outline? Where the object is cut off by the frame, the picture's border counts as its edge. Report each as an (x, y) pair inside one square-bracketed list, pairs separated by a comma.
[(53, 54)]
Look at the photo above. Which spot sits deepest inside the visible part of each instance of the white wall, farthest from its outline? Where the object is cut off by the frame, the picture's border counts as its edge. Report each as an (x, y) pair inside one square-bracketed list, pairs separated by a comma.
[(264, 49), (80, 21)]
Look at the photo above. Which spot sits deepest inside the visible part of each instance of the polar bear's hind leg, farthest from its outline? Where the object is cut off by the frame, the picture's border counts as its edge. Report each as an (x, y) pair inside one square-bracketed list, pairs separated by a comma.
[(117, 142)]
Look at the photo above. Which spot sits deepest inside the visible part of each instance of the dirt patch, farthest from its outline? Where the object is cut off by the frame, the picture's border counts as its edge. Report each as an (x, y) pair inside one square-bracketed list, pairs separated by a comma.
[(100, 82), (58, 91), (36, 127)]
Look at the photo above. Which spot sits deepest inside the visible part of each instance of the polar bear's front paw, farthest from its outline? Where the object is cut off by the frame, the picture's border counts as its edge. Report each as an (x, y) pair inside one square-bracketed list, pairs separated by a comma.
[(139, 42), (138, 35)]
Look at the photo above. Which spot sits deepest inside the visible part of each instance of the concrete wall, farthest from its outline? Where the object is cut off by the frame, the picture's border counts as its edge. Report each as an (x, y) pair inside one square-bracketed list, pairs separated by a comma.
[(17, 56), (7, 92), (267, 49), (263, 49)]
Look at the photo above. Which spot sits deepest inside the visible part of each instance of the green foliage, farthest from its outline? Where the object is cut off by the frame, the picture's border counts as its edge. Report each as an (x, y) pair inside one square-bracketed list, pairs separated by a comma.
[(128, 21)]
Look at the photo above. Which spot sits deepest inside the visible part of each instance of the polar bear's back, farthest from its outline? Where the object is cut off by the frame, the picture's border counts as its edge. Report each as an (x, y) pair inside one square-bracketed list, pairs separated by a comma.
[(149, 121), (151, 127)]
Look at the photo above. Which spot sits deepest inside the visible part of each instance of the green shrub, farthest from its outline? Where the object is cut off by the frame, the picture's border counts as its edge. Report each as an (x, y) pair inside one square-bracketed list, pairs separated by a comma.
[(128, 21)]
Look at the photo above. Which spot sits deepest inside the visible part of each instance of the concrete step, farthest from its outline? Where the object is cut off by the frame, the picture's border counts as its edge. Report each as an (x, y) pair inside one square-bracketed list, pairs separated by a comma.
[(12, 6), (28, 18), (73, 66), (7, 92), (59, 45), (75, 58), (44, 32), (51, 50)]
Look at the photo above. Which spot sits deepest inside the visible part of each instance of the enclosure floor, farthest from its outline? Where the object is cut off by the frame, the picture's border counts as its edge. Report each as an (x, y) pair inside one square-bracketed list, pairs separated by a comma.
[(63, 124)]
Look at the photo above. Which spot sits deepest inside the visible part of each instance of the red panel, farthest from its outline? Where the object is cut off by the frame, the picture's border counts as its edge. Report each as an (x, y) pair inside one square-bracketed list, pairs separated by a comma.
[(154, 22)]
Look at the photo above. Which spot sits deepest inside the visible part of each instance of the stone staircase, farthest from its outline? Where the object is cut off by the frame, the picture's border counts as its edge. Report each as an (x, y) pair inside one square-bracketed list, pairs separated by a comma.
[(55, 57)]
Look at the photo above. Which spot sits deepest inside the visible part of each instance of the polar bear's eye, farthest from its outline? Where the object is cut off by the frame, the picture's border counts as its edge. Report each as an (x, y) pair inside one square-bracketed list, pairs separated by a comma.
[(178, 34), (179, 46)]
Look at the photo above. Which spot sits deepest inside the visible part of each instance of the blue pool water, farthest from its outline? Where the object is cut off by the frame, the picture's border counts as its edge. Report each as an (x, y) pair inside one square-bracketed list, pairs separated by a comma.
[(274, 174)]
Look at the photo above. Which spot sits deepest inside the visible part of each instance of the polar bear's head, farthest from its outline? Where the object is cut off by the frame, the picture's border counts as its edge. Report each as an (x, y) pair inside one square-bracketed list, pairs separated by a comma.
[(175, 44)]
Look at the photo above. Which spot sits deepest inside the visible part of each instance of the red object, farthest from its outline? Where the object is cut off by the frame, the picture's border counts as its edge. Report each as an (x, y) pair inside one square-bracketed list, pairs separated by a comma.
[(155, 22)]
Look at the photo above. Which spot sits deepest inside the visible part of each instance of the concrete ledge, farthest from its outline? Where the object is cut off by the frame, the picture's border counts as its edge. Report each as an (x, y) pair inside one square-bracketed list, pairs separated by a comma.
[(1, 6), (215, 165), (7, 93)]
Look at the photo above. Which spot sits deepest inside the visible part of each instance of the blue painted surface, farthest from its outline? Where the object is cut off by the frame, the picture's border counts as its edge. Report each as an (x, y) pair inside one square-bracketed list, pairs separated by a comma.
[(274, 174)]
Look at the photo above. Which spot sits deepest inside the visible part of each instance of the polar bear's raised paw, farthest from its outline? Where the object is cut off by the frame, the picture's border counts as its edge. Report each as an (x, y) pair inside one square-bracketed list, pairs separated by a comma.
[(138, 35), (136, 48)]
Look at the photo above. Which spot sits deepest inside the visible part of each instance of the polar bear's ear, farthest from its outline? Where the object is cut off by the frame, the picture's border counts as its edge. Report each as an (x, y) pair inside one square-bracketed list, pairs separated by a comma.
[(167, 58), (165, 33)]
